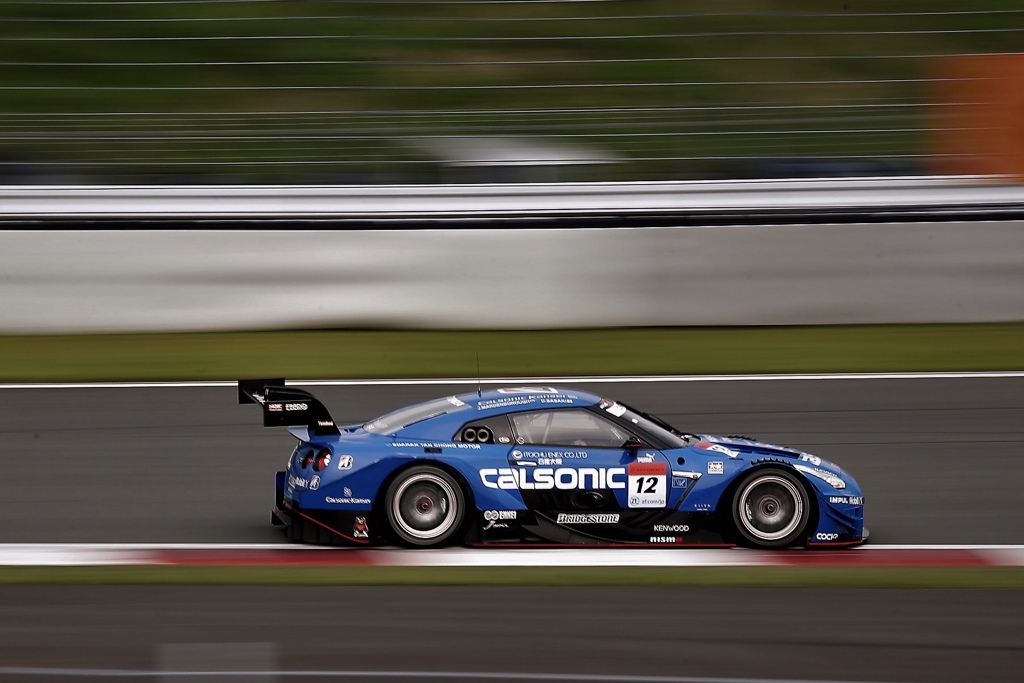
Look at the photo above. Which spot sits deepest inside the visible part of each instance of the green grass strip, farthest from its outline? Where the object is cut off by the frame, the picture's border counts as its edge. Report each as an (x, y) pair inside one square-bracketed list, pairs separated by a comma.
[(1007, 578), (398, 354)]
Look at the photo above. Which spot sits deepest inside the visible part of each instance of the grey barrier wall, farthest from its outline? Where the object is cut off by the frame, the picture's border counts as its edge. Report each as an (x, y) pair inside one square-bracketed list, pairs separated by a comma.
[(125, 280)]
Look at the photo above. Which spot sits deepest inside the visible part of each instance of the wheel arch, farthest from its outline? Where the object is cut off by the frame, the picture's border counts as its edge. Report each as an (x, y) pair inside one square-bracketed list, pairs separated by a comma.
[(723, 510), (379, 509)]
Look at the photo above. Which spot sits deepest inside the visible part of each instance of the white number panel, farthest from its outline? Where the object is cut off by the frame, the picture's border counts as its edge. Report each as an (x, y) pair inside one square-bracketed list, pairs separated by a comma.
[(648, 484)]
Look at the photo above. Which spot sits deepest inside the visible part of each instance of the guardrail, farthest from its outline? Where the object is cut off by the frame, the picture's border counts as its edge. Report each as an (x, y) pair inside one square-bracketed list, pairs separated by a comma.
[(315, 273), (380, 202)]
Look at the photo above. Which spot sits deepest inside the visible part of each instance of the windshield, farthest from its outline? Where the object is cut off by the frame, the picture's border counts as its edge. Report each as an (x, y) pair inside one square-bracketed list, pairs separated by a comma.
[(651, 424), (404, 417)]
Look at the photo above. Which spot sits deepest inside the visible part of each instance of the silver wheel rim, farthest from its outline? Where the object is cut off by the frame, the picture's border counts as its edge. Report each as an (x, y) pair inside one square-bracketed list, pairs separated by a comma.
[(771, 508), (425, 506)]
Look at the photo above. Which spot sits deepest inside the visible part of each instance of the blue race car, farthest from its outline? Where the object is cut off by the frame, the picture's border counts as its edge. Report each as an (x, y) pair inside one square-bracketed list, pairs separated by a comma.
[(544, 466)]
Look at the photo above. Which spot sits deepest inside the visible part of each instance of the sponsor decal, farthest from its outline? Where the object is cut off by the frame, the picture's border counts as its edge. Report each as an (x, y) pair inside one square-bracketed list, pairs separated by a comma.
[(665, 539), (528, 390), (495, 515), (360, 528), (547, 478), (435, 444), (494, 519), (504, 439), (615, 409), (568, 455), (718, 448), (680, 483), (275, 407), (347, 500), (506, 402), (292, 407), (345, 462), (587, 518), (557, 399), (325, 423), (846, 500), (301, 482), (347, 491), (455, 401), (813, 459), (646, 457), (677, 528), (314, 482), (716, 467), (648, 484), (826, 537)]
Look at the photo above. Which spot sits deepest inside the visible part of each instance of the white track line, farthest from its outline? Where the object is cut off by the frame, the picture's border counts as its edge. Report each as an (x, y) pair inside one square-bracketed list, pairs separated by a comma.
[(448, 675), (102, 554), (471, 381)]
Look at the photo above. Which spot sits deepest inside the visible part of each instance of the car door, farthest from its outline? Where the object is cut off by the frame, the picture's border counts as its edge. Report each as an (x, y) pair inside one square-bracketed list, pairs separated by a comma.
[(575, 466)]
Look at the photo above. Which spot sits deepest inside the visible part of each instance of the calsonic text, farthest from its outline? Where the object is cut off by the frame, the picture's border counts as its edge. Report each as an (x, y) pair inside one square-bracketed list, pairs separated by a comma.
[(565, 478)]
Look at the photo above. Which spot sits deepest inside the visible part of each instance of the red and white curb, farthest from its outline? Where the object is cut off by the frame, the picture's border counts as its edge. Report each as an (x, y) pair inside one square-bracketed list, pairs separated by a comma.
[(103, 554)]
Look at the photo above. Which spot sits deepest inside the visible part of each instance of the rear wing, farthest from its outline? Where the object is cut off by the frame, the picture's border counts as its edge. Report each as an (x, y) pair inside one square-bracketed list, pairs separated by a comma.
[(287, 406)]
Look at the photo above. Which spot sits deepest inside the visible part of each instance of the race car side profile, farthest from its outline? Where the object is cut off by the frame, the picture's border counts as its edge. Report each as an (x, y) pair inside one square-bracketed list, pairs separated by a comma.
[(544, 466)]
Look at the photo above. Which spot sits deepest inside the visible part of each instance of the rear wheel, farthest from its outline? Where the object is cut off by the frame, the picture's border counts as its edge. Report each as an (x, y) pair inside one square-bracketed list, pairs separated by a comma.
[(425, 506), (771, 509)]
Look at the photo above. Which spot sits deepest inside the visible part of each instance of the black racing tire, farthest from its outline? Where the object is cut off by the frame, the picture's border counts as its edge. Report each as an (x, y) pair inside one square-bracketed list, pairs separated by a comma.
[(771, 508), (425, 507)]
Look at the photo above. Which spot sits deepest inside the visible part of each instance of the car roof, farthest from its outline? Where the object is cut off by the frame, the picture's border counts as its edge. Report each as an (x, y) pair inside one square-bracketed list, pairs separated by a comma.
[(523, 398)]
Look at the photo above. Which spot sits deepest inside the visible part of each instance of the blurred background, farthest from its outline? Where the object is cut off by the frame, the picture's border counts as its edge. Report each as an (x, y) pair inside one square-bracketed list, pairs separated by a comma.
[(426, 91)]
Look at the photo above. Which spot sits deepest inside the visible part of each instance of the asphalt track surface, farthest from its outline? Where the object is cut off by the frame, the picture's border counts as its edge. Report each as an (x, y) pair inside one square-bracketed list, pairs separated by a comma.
[(939, 460)]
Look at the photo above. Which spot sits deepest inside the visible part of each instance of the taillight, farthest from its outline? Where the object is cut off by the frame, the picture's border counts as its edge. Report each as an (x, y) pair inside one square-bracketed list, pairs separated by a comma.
[(307, 459), (323, 459)]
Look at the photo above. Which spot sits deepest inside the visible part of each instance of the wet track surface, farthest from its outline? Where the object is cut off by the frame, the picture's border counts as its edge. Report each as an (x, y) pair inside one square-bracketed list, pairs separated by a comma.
[(939, 460)]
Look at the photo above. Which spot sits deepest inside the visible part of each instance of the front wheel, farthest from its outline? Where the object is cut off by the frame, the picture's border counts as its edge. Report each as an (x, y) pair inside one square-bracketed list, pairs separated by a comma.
[(771, 508), (425, 506)]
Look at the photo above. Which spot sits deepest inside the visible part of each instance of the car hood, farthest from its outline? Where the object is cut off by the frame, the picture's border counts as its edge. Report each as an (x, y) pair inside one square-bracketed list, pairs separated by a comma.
[(749, 449)]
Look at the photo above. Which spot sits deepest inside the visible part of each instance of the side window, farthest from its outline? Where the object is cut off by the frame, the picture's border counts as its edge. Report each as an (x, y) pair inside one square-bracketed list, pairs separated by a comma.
[(568, 428), (492, 430)]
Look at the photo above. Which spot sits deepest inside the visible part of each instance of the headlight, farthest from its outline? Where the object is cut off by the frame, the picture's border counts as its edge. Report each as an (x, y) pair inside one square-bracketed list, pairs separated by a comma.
[(833, 480)]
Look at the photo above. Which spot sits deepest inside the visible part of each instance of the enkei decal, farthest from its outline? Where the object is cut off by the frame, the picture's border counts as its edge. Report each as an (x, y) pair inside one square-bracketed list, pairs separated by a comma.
[(495, 515), (546, 478), (716, 467), (587, 518)]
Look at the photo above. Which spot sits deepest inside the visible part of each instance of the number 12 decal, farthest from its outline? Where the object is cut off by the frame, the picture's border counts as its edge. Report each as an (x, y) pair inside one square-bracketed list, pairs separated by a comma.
[(648, 484)]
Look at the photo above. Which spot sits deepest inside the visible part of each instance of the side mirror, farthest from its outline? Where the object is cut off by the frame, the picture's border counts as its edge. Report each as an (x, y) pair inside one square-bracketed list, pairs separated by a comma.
[(633, 444)]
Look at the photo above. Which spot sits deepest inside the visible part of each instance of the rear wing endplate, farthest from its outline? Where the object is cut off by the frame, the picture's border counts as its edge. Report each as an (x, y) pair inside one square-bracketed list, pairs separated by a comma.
[(287, 406)]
